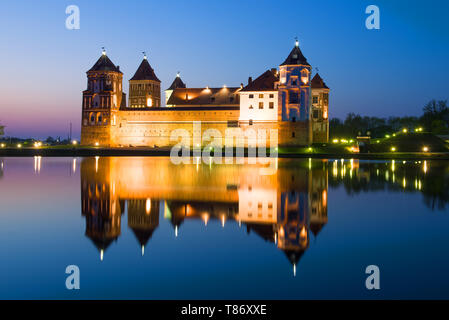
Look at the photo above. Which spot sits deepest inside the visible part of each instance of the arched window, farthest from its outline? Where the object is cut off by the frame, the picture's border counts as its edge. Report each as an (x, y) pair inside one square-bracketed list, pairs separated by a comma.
[(92, 118), (99, 118)]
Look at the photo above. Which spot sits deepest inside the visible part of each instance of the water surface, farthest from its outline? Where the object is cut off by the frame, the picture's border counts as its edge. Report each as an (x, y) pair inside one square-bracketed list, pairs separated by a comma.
[(144, 228)]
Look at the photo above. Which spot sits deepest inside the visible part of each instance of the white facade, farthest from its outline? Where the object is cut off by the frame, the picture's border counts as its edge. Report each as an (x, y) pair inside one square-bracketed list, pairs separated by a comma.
[(259, 106)]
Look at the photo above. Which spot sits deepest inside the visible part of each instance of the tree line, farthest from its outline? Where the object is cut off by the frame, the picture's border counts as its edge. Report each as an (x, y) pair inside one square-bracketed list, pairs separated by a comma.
[(435, 119)]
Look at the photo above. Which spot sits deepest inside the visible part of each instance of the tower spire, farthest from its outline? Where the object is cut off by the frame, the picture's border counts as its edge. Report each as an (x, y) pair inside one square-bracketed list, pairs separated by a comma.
[(103, 51), (296, 42), (144, 55)]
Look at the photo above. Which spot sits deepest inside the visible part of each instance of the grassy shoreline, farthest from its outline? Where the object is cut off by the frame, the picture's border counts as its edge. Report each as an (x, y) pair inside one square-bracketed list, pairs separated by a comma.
[(282, 153)]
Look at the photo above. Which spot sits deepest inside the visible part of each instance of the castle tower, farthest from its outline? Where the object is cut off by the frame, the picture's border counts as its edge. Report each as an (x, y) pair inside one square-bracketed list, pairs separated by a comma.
[(177, 83), (294, 87), (101, 101), (320, 110), (144, 87)]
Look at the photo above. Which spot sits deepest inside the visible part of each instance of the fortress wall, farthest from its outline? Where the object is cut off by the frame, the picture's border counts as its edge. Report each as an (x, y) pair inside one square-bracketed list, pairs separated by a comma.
[(153, 128)]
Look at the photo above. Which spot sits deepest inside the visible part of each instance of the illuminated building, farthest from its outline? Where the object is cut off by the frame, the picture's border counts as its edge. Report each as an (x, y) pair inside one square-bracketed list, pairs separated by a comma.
[(286, 99)]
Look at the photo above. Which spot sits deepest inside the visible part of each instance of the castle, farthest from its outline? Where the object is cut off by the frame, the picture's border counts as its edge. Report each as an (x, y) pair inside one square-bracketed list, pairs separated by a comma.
[(285, 99)]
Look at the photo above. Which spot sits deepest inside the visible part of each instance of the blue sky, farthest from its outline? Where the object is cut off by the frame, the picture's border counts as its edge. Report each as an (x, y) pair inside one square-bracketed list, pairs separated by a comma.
[(386, 72)]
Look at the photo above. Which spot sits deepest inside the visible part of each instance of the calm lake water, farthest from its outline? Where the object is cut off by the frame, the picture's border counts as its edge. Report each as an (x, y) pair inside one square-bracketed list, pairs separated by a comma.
[(144, 228)]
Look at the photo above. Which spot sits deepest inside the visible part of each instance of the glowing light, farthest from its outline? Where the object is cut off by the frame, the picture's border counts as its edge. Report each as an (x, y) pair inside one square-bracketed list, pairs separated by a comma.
[(325, 115), (37, 164), (404, 183), (275, 238), (149, 102), (394, 134), (2, 145), (335, 141), (425, 149), (387, 136), (148, 206), (96, 163), (74, 142), (425, 166), (393, 149), (344, 141), (97, 144), (324, 198), (223, 220), (294, 269), (303, 233), (205, 217), (101, 254), (176, 231), (143, 250), (404, 130), (19, 146)]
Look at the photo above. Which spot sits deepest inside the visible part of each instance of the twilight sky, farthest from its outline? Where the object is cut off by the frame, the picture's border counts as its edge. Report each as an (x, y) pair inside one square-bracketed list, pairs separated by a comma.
[(391, 71)]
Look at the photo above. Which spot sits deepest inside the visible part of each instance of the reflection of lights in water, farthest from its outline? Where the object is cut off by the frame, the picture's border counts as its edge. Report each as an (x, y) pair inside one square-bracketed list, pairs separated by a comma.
[(392, 179), (419, 184), (148, 206), (37, 164), (335, 168), (294, 269), (377, 172), (143, 250), (96, 163), (101, 255), (392, 165), (352, 164), (223, 220), (240, 223), (281, 232), (197, 163), (425, 166), (310, 163), (303, 233), (205, 218), (176, 231), (404, 183), (275, 238), (416, 183), (74, 165), (324, 198), (387, 175)]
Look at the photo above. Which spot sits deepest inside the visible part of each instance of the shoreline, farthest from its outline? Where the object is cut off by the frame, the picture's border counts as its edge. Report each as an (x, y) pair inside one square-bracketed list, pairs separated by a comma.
[(163, 152)]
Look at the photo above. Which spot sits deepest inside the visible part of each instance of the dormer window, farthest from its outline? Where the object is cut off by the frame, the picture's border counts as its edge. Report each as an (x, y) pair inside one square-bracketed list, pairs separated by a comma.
[(305, 76)]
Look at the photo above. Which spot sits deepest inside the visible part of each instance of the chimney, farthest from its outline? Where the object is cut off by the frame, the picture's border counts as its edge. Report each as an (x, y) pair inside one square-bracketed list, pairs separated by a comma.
[(274, 71), (118, 68), (250, 80)]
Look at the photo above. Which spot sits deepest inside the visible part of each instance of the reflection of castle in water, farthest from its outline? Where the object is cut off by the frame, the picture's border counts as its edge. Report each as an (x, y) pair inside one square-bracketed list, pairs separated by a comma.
[(283, 208)]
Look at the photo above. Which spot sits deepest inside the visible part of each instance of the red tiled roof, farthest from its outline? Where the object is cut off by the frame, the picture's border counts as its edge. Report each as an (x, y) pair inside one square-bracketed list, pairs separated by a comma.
[(264, 82)]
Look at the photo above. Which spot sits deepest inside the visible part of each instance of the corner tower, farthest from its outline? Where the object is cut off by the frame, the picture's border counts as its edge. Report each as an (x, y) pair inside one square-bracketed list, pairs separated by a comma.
[(294, 87), (101, 101), (144, 87)]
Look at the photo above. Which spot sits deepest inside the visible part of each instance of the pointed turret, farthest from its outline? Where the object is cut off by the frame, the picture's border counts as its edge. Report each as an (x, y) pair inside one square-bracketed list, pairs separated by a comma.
[(177, 83), (295, 57), (104, 64), (145, 72), (318, 83)]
